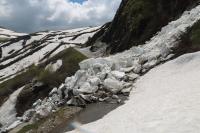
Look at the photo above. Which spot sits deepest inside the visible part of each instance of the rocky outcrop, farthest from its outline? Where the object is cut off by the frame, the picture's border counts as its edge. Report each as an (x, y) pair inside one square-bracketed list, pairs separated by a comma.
[(137, 21), (36, 90)]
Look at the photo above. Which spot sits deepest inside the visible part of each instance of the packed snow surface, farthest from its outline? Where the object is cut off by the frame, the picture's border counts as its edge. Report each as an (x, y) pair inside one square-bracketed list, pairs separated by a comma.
[(5, 33), (166, 100), (7, 110)]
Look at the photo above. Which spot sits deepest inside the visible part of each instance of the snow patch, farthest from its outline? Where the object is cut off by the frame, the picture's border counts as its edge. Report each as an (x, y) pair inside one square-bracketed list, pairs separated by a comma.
[(166, 100), (7, 110)]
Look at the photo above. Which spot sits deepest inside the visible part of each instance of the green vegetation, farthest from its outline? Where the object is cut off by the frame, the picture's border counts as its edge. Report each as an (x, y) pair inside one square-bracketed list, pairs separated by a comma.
[(138, 20), (70, 58), (32, 127), (195, 34), (48, 124), (7, 87), (2, 40), (190, 41)]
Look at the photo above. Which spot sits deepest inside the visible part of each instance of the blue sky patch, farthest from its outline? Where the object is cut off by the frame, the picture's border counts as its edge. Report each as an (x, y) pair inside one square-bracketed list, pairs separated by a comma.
[(78, 1)]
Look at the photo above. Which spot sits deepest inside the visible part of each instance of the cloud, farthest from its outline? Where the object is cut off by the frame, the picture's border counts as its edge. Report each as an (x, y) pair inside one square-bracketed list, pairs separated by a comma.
[(35, 15)]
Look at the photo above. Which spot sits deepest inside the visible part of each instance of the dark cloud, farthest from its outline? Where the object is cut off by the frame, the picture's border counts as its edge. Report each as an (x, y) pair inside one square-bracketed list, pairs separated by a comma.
[(35, 15)]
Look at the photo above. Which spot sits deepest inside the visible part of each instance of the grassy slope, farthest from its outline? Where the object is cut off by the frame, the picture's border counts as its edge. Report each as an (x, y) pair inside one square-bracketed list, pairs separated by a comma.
[(71, 59), (54, 120), (190, 41)]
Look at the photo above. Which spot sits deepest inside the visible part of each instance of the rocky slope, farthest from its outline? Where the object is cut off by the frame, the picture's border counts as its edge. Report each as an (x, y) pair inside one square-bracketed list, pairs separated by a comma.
[(137, 21)]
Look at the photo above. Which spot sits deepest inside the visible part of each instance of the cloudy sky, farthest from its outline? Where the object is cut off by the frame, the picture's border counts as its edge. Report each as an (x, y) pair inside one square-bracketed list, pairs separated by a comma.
[(36, 15)]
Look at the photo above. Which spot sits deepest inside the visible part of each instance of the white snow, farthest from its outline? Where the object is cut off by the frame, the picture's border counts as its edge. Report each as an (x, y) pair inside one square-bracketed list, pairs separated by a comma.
[(166, 100), (14, 47), (55, 66), (5, 33), (7, 110), (49, 45)]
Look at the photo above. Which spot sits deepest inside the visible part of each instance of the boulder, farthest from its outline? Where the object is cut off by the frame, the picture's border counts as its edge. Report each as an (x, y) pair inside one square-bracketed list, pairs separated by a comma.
[(132, 76), (127, 91), (113, 85), (28, 115), (118, 75), (87, 88), (94, 81), (54, 91), (127, 70), (37, 103)]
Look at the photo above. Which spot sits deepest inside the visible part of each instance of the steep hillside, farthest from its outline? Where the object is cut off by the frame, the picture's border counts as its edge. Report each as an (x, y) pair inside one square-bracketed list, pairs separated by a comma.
[(137, 21), (20, 53), (48, 56)]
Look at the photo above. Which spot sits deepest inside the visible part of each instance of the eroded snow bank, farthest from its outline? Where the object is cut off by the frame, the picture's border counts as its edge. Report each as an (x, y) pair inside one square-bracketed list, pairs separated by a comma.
[(166, 100), (163, 99), (115, 74), (8, 111), (109, 72)]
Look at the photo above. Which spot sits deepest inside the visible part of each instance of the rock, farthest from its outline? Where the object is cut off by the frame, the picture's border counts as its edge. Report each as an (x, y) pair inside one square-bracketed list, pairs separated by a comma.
[(76, 101), (94, 81), (38, 102), (104, 99), (86, 97), (132, 76), (93, 98), (115, 97), (61, 90), (127, 91), (55, 98), (118, 75), (127, 70), (119, 101), (28, 115), (113, 85), (54, 91), (137, 69), (45, 109), (127, 85), (87, 88)]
